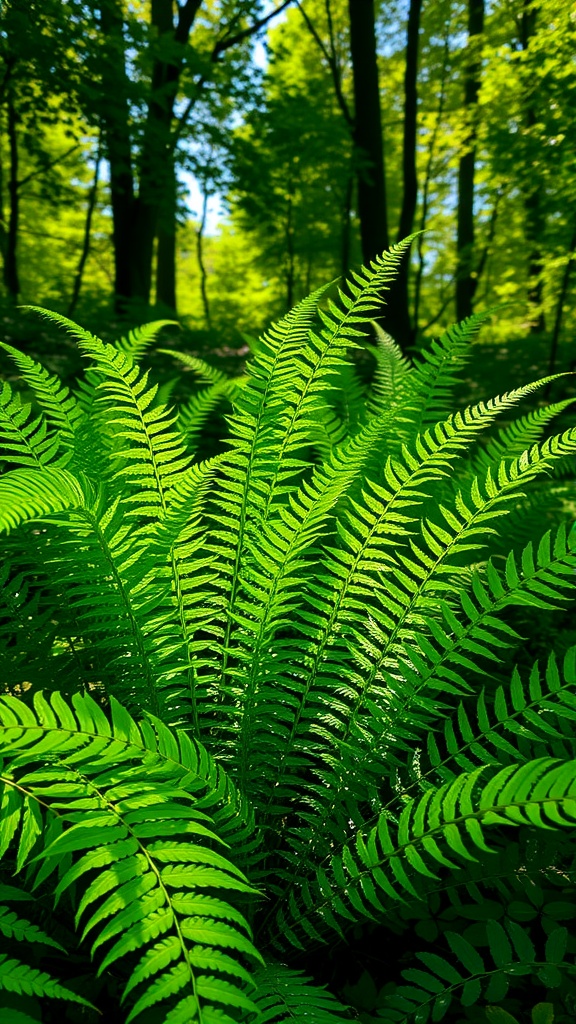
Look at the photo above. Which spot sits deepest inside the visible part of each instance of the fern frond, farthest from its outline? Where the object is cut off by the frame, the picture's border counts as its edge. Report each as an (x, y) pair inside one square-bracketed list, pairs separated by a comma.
[(18, 977), (391, 375), (513, 439), (511, 720), (205, 373), (53, 397), (193, 414), (284, 995), (152, 456), (138, 809), (511, 954), (138, 340), (441, 828), (363, 580), (27, 494), (436, 662), (14, 927), (429, 386), (25, 439)]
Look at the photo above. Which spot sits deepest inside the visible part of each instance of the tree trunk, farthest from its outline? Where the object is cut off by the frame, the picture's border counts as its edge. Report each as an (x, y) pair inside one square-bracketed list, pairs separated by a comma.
[(201, 264), (346, 224), (117, 145), (372, 209), (3, 229), (560, 309), (465, 279), (87, 229), (11, 279), (166, 252), (534, 220), (155, 208), (426, 190), (398, 316), (290, 267)]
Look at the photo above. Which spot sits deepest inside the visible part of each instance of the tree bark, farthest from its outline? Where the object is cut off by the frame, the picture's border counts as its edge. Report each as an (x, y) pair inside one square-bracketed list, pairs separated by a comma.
[(465, 279), (136, 217), (290, 255), (118, 148), (166, 251), (398, 316), (560, 308), (92, 197), (11, 278), (201, 264), (426, 191), (372, 208), (534, 220), (346, 224)]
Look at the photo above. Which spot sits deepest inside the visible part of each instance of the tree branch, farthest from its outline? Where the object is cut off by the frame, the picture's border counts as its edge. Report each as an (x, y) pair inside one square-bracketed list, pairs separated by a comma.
[(227, 40), (48, 167), (186, 15), (330, 58), (223, 44)]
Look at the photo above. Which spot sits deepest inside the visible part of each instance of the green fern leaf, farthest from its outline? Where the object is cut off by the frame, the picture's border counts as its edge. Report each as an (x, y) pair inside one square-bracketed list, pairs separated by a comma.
[(283, 994), (18, 977), (138, 341)]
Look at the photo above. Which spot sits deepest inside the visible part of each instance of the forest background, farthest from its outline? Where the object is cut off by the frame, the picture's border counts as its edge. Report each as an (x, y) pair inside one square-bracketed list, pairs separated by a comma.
[(215, 160)]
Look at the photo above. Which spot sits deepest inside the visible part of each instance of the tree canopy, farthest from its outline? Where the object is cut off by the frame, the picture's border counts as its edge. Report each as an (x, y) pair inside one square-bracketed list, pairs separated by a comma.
[(324, 129)]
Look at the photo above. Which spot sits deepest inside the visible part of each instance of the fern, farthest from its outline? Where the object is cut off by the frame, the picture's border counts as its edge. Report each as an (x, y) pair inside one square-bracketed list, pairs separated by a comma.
[(286, 698)]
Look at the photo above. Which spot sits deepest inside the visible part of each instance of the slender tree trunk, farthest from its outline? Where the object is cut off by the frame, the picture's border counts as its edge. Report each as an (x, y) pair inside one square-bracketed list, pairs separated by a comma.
[(426, 190), (347, 224), (155, 208), (166, 252), (290, 275), (201, 264), (117, 147), (534, 228), (560, 306), (398, 315), (11, 279), (3, 229), (534, 220), (481, 265), (92, 197), (372, 209), (465, 280)]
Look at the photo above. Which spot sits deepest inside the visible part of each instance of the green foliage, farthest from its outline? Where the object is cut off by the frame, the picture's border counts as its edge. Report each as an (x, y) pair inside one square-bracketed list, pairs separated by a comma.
[(278, 700)]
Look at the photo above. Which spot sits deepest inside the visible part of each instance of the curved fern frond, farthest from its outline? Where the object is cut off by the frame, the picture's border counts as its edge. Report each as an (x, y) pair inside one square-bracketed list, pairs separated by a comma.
[(363, 580), (18, 977), (14, 927), (27, 494), (512, 721), (472, 628), (429, 385), (443, 827), (205, 373), (513, 439), (192, 415), (53, 397), (151, 454), (136, 814), (391, 376), (469, 975), (284, 995), (138, 340), (26, 440)]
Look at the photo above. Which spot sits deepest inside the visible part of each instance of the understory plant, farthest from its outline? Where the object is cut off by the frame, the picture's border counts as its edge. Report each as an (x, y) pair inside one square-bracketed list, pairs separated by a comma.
[(286, 734)]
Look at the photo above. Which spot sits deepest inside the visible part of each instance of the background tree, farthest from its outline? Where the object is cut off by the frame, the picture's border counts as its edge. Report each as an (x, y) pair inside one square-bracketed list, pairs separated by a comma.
[(473, 144)]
